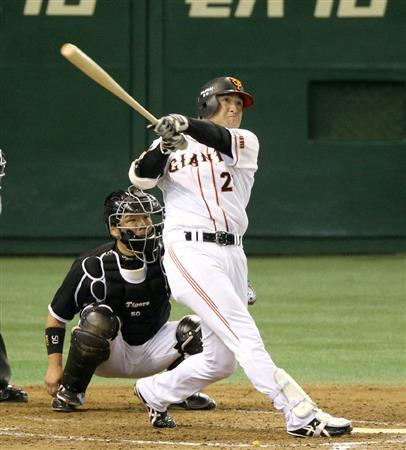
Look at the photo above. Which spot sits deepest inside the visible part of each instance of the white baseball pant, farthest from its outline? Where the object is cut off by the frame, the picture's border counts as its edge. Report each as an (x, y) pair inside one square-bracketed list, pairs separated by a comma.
[(136, 361), (212, 281)]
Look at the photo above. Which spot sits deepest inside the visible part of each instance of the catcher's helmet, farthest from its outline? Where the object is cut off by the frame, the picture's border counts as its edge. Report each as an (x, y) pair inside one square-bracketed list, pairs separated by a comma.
[(143, 240), (207, 102)]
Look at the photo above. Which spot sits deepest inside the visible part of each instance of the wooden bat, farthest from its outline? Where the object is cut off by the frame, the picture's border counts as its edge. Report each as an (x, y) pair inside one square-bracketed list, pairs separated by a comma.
[(86, 64)]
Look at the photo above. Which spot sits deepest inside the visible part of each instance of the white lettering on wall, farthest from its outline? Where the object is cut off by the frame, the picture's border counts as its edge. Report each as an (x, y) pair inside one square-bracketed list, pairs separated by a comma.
[(276, 8), (60, 8), (209, 8), (221, 8), (323, 8), (32, 7), (349, 8)]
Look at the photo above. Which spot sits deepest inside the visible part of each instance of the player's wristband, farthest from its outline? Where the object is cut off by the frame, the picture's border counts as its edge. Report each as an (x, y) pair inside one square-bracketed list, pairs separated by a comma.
[(54, 337)]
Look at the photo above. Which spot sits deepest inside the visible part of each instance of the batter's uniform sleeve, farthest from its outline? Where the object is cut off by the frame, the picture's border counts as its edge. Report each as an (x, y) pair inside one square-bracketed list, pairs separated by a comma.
[(244, 149), (240, 147), (146, 170)]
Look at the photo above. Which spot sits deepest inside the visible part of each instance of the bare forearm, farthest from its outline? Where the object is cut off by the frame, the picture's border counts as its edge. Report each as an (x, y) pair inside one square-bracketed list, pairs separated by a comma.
[(52, 322)]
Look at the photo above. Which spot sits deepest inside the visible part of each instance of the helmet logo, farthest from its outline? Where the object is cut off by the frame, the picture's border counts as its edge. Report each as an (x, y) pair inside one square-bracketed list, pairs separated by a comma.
[(207, 91), (237, 83)]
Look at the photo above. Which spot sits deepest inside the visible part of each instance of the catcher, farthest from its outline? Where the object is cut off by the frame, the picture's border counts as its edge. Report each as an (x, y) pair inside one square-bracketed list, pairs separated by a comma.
[(121, 293), (8, 393)]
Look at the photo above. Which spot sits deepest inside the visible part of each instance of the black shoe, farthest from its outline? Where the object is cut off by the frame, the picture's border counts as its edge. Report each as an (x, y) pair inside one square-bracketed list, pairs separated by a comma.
[(158, 419), (324, 425), (70, 397), (195, 402), (13, 394), (61, 406)]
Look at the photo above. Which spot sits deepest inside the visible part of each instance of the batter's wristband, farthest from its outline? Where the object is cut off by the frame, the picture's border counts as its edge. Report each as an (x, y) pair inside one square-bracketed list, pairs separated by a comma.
[(54, 337)]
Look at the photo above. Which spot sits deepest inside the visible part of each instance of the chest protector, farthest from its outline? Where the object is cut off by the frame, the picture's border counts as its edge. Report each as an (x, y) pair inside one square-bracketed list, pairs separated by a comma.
[(141, 303)]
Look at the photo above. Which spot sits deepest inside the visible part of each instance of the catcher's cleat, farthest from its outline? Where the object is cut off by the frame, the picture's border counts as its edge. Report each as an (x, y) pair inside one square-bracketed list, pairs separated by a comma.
[(70, 397), (324, 425), (196, 402), (61, 406), (13, 394), (158, 419)]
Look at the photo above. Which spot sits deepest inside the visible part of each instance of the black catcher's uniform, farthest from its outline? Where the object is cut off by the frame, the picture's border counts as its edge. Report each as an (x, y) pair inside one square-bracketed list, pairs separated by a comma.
[(124, 306)]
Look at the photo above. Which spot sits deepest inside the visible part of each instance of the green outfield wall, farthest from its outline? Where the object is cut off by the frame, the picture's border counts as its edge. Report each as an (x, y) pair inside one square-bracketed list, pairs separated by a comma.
[(328, 77)]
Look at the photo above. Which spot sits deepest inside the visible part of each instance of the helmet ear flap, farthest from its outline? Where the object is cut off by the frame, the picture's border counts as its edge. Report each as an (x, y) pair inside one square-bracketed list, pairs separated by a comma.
[(209, 107)]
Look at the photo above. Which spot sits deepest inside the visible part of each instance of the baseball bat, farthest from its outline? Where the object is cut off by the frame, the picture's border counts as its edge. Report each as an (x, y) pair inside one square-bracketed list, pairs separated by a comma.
[(86, 64)]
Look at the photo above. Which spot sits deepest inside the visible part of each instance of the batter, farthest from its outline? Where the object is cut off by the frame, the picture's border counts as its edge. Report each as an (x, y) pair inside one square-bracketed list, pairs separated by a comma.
[(206, 189)]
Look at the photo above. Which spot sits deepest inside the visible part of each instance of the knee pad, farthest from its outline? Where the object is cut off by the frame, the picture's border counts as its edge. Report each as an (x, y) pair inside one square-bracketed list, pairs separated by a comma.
[(86, 352), (90, 346), (189, 335), (298, 401), (100, 321)]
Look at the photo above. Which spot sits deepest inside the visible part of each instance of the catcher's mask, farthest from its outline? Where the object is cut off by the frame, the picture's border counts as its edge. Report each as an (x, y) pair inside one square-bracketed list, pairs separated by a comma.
[(207, 102), (139, 218)]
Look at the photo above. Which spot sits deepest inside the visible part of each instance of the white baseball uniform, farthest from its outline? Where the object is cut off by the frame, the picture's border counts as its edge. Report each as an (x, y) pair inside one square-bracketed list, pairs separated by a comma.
[(135, 361), (206, 191)]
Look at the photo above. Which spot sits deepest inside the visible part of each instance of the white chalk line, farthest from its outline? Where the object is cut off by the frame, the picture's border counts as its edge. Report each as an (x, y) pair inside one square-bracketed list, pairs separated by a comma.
[(355, 430), (379, 430), (370, 422), (375, 422), (13, 432)]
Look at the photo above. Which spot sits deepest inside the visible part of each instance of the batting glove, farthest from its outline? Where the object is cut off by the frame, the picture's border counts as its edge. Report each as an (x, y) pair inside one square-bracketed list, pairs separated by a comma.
[(164, 128), (178, 141), (180, 122), (169, 126)]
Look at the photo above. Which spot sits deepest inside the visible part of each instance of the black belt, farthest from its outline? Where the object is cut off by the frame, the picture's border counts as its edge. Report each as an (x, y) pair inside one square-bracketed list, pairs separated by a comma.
[(220, 237)]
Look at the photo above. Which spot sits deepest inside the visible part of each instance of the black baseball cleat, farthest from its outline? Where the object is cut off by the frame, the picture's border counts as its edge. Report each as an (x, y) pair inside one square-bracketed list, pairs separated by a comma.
[(324, 425), (13, 394), (70, 397), (158, 419), (61, 406), (196, 402)]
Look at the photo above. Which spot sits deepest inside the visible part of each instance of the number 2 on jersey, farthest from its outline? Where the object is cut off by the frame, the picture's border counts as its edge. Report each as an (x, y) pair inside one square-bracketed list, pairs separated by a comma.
[(226, 185)]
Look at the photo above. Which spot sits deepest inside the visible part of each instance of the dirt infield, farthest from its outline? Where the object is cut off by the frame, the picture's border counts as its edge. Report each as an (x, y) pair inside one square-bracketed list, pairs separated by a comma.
[(113, 418)]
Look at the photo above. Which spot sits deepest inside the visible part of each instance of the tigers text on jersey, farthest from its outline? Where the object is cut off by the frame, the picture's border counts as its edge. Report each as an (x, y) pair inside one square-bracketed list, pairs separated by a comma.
[(206, 189)]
